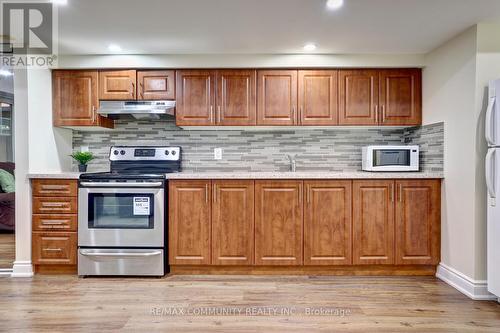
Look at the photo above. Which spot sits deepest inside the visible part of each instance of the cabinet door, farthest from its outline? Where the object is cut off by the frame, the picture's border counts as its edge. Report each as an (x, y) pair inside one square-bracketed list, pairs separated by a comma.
[(327, 223), (318, 102), (195, 97), (54, 248), (156, 85), (277, 97), (117, 85), (75, 99), (401, 97), (417, 222), (358, 97), (189, 222), (278, 222), (236, 97), (233, 222), (373, 222)]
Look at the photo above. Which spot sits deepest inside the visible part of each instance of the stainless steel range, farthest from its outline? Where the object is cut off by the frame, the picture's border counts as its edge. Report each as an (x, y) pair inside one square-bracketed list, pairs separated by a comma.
[(122, 213)]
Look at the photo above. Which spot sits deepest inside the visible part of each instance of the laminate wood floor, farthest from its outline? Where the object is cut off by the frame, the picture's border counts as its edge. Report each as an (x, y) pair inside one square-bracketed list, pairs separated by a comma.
[(7, 250), (267, 304)]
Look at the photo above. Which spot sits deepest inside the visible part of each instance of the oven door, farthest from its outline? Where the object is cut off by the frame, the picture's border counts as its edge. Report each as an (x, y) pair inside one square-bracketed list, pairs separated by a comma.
[(121, 217)]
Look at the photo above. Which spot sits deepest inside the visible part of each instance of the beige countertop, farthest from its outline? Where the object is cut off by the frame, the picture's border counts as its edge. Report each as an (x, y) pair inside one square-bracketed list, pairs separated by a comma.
[(270, 175)]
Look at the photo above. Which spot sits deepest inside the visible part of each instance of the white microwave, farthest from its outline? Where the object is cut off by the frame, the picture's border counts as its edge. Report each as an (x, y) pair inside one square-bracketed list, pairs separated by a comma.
[(390, 158)]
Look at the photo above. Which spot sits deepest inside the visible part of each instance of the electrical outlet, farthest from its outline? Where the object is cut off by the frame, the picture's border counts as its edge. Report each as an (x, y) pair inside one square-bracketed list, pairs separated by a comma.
[(84, 149), (217, 153)]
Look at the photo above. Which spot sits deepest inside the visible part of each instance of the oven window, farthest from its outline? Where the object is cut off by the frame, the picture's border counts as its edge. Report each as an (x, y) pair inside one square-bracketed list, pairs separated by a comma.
[(391, 157), (121, 211)]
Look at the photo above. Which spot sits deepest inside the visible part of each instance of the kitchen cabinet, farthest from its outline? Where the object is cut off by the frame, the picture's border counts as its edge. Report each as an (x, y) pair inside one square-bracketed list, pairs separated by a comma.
[(118, 85), (195, 97), (75, 99), (388, 97), (54, 225), (155, 85), (236, 97), (358, 95), (327, 222), (278, 222), (373, 222), (400, 97), (277, 97), (318, 100), (418, 209), (189, 222), (233, 222)]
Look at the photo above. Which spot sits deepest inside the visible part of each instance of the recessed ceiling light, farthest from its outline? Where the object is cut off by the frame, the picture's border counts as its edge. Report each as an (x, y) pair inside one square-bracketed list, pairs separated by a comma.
[(4, 72), (114, 48), (309, 47), (60, 2), (334, 4)]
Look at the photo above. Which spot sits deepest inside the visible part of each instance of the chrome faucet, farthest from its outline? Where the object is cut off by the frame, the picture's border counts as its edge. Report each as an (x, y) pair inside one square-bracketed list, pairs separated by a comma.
[(293, 163)]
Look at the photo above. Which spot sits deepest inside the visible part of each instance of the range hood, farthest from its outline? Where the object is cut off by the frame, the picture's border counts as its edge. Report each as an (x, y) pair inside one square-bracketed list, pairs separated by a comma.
[(137, 109)]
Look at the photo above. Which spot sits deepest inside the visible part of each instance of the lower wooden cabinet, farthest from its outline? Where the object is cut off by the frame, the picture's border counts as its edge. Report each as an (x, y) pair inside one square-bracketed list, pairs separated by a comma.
[(278, 222), (54, 248), (233, 222), (328, 222), (418, 229), (189, 222), (365, 223), (373, 222)]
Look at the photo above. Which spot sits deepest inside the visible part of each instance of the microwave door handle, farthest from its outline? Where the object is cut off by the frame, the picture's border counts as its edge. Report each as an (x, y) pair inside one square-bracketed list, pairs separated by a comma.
[(489, 124), (113, 184), (490, 173)]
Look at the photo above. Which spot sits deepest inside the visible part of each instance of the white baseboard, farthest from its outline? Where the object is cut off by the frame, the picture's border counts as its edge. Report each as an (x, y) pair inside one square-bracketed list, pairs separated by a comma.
[(22, 269), (5, 272), (475, 289)]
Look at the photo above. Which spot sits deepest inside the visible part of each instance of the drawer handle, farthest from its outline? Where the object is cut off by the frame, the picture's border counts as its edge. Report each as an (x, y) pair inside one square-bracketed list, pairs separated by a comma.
[(54, 204), (53, 249), (53, 222), (54, 187)]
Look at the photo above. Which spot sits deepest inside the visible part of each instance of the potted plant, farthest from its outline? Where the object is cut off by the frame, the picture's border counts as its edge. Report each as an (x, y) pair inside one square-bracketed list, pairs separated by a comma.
[(83, 158)]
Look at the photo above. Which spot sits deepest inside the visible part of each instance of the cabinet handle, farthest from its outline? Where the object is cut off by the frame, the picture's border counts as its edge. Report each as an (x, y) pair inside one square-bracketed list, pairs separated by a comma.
[(293, 115), (53, 249), (53, 222), (376, 114), (94, 114), (301, 112), (392, 192), (400, 192), (382, 115), (142, 89), (133, 89), (211, 112), (218, 114), (215, 193), (206, 193), (308, 194)]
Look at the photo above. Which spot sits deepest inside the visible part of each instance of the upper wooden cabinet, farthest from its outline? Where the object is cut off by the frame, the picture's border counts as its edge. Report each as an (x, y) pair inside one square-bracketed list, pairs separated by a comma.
[(236, 97), (327, 222), (277, 97), (401, 97), (117, 85), (318, 101), (155, 85), (223, 97), (189, 222), (391, 97), (233, 222), (358, 97), (418, 209), (75, 99), (195, 97), (373, 222), (278, 222)]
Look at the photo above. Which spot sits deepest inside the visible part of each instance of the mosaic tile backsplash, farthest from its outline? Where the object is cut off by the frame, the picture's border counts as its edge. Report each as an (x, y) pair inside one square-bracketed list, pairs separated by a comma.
[(335, 149)]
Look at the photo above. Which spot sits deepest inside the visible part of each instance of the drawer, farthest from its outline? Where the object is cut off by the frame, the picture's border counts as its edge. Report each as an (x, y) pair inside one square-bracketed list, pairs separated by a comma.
[(55, 205), (55, 188), (55, 222), (57, 248)]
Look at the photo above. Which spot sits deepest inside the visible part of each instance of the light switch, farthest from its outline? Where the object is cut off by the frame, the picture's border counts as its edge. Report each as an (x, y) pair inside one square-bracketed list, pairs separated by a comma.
[(217, 153), (84, 149)]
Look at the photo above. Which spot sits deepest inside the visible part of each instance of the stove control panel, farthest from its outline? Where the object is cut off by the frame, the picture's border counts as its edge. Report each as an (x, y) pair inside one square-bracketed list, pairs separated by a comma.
[(123, 153)]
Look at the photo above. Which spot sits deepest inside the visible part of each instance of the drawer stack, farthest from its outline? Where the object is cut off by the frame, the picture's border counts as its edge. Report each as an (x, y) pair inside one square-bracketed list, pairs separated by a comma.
[(55, 221)]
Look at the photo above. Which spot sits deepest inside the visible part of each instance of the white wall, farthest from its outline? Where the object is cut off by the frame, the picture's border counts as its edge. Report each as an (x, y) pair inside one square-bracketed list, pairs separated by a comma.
[(449, 96)]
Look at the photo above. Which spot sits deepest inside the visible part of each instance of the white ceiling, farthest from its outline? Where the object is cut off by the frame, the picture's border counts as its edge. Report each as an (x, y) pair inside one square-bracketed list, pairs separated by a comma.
[(265, 26)]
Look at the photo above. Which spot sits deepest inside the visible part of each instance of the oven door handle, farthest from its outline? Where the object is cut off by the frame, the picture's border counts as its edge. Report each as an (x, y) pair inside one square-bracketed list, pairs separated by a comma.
[(117, 184), (119, 254)]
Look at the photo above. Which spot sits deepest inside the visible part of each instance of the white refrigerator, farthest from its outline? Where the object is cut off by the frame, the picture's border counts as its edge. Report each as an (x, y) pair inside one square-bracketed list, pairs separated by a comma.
[(492, 134)]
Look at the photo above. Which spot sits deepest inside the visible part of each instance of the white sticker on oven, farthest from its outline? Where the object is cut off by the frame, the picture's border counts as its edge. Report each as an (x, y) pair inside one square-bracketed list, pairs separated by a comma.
[(141, 206)]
